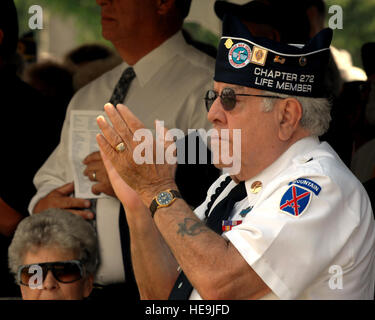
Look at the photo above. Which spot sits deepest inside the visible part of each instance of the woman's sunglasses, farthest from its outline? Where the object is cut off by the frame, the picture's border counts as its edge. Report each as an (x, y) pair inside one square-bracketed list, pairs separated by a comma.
[(63, 271), (228, 98)]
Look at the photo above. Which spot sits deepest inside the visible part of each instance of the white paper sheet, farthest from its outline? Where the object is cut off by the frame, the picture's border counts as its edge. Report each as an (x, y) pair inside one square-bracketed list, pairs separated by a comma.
[(82, 142)]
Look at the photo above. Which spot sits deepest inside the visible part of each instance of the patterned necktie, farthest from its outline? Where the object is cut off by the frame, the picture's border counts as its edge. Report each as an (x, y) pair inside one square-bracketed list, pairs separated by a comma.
[(122, 87), (182, 287)]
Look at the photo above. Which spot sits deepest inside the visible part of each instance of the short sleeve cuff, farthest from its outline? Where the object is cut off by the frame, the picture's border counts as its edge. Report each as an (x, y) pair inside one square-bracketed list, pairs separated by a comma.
[(259, 265)]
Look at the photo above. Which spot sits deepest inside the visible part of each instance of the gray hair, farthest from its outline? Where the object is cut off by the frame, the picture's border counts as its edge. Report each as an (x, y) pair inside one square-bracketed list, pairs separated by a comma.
[(315, 112), (55, 228)]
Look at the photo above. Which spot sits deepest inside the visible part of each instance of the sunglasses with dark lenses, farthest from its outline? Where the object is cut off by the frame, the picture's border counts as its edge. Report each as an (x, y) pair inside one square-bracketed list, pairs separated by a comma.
[(63, 271), (228, 98)]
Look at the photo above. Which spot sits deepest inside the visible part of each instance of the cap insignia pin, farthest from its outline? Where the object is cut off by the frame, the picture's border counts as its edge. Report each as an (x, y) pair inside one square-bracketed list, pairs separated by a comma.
[(302, 61), (278, 59), (228, 44)]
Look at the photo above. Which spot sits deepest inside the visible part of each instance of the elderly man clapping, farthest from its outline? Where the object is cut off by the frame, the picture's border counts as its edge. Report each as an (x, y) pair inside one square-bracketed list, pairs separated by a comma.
[(293, 223)]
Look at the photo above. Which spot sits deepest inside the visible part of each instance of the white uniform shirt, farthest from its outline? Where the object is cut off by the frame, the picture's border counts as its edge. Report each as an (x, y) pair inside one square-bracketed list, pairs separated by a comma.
[(170, 85), (300, 257)]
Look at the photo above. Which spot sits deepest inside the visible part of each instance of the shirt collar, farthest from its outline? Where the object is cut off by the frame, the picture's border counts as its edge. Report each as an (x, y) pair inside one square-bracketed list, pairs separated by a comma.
[(263, 178), (150, 64)]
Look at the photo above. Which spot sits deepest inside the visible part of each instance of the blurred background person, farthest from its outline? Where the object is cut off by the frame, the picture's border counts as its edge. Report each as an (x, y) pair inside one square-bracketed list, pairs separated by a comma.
[(27, 49), (52, 79), (363, 162), (349, 118), (64, 247), (368, 52), (55, 82), (25, 146), (258, 15), (90, 61), (316, 11)]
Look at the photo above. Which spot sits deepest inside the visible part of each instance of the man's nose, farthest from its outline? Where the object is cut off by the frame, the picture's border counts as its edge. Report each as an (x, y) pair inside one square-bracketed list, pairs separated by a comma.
[(50, 282), (216, 113)]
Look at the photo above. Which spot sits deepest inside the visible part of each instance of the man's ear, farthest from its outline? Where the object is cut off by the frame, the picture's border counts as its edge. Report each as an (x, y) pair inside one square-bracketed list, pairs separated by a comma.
[(1, 36), (88, 285), (289, 117), (165, 6)]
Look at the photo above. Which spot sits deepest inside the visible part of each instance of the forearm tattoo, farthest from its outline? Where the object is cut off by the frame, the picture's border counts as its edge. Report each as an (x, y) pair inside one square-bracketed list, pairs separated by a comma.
[(191, 227)]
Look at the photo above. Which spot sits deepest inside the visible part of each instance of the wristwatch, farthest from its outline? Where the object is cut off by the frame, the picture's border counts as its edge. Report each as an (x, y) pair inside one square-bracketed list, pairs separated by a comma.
[(164, 199)]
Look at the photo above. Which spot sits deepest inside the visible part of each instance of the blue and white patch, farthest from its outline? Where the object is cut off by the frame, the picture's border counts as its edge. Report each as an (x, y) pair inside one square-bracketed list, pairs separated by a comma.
[(297, 198), (239, 55)]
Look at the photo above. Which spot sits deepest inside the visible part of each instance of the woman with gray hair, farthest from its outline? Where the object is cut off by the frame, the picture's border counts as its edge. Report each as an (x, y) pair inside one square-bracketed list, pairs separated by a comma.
[(54, 256)]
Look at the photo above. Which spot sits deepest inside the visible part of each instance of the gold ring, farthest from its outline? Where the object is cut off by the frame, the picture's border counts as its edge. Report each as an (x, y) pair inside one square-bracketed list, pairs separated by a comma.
[(94, 176), (120, 147)]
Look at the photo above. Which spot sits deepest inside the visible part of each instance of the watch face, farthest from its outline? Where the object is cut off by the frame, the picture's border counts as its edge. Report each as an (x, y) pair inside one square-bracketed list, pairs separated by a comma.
[(164, 198)]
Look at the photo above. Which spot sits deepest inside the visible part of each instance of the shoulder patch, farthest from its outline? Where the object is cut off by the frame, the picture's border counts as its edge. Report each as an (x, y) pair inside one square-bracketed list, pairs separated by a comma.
[(295, 201), (297, 198)]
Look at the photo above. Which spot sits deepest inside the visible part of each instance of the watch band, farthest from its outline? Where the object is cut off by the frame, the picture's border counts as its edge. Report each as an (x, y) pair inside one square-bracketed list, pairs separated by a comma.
[(175, 193), (154, 204), (153, 207)]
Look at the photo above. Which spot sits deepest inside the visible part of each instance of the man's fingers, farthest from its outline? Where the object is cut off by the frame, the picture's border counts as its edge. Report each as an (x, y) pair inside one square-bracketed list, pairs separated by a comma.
[(120, 126), (166, 138), (123, 191), (108, 156), (131, 120), (107, 163), (67, 203), (109, 133), (94, 176), (97, 188), (96, 166), (95, 156), (114, 176), (66, 189), (105, 148), (88, 215)]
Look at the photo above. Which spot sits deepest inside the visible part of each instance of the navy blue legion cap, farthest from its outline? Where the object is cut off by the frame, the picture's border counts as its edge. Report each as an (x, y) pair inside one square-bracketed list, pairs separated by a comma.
[(260, 63)]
